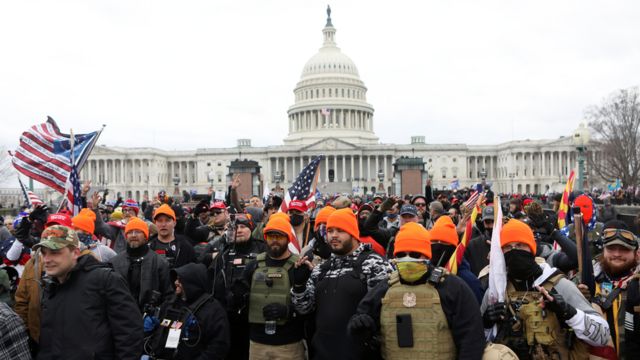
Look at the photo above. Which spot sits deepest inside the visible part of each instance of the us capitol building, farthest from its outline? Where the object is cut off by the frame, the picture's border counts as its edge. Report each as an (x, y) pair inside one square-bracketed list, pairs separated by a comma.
[(331, 116)]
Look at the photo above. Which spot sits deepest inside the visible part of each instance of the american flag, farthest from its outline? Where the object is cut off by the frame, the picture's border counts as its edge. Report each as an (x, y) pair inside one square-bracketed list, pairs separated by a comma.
[(304, 188), (74, 192), (44, 154), (473, 199), (30, 199), (34, 199)]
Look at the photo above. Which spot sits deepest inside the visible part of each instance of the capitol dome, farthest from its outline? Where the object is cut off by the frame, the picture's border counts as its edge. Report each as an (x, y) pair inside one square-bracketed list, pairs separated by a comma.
[(330, 98), (330, 60)]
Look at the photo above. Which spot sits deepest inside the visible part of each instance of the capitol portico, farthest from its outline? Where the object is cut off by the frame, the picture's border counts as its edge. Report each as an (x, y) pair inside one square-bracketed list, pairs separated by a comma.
[(331, 116)]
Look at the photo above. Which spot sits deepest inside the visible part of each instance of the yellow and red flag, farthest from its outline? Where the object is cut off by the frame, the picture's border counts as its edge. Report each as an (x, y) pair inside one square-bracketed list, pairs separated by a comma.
[(458, 254), (563, 210)]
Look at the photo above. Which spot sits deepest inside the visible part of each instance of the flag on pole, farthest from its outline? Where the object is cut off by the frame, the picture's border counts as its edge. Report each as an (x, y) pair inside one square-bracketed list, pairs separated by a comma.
[(563, 210), (34, 199), (73, 192), (454, 184), (471, 202), (44, 154), (458, 254), (497, 266), (304, 187), (325, 112)]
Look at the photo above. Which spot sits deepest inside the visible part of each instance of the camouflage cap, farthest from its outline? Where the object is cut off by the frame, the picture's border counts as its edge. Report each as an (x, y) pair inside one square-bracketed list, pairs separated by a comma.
[(57, 237)]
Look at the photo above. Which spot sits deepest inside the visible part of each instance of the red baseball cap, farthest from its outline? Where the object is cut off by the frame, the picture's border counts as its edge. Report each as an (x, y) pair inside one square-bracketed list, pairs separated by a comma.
[(59, 219), (298, 205), (218, 205)]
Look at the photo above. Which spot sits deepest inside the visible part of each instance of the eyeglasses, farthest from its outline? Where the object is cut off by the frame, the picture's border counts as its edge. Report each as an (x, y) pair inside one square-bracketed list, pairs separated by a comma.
[(272, 236), (420, 204), (411, 254)]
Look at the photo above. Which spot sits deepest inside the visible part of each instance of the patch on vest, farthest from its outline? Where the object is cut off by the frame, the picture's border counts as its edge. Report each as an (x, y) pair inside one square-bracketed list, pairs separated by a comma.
[(409, 299), (274, 275)]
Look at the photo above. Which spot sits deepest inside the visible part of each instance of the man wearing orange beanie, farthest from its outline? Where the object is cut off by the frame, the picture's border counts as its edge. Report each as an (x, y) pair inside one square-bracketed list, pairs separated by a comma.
[(143, 269), (404, 311), (319, 243), (534, 286), (266, 283), (444, 240), (175, 248), (334, 288), (84, 225)]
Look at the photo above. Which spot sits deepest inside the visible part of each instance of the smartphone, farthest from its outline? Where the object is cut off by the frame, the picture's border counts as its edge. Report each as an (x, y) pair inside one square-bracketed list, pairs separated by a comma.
[(404, 329)]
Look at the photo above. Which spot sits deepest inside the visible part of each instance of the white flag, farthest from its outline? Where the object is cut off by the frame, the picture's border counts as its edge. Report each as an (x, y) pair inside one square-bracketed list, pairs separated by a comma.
[(498, 268)]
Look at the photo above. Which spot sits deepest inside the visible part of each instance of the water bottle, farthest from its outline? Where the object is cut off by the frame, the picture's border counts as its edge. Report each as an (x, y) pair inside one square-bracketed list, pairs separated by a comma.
[(270, 327)]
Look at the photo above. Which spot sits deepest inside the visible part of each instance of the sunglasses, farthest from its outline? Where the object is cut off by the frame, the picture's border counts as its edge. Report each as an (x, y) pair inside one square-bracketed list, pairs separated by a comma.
[(411, 254), (217, 212), (625, 235), (420, 205)]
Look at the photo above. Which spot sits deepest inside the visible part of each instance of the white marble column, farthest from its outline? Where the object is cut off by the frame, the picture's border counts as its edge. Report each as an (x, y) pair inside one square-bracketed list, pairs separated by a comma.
[(351, 163), (344, 172)]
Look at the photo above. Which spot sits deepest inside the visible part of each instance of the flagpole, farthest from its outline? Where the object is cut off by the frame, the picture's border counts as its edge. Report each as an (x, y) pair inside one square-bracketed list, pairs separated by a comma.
[(72, 141)]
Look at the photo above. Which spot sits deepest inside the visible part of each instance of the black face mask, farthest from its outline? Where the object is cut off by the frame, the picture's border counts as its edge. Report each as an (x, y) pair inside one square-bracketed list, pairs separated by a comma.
[(296, 219), (521, 265), (441, 253), (488, 232)]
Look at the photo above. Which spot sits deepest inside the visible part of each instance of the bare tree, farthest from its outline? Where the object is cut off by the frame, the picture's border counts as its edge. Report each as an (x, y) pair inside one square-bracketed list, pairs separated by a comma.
[(615, 124), (6, 168)]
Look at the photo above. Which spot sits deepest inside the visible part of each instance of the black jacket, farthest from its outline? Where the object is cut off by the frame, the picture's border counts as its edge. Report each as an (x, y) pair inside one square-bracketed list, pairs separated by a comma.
[(228, 266), (184, 252), (154, 274), (463, 316), (371, 228), (92, 315), (205, 329)]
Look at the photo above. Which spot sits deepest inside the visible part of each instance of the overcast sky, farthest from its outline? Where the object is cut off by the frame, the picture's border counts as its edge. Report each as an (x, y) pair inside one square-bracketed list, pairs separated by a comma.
[(193, 74)]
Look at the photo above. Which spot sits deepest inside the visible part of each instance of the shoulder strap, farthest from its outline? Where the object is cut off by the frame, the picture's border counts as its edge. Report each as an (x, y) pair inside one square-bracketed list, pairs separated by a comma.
[(198, 303), (553, 280), (364, 255), (262, 257), (291, 261)]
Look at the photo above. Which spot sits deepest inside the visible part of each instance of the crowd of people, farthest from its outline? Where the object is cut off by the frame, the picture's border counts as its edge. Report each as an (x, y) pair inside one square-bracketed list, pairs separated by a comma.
[(342, 277)]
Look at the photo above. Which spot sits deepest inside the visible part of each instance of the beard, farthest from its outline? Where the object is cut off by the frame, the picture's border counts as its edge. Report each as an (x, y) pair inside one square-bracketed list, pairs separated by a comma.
[(617, 270), (276, 251), (344, 249)]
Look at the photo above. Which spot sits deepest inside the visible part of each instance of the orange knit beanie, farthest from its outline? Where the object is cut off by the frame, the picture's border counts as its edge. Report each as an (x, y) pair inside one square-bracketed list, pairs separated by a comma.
[(323, 215), (345, 220), (83, 222), (518, 231), (444, 230), (278, 224), (412, 237), (137, 224)]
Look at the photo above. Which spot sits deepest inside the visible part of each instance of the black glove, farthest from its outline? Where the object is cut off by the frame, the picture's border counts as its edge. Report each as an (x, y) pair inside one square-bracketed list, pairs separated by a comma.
[(40, 213), (22, 232), (564, 311), (275, 311), (387, 204), (300, 276), (361, 325), (495, 313)]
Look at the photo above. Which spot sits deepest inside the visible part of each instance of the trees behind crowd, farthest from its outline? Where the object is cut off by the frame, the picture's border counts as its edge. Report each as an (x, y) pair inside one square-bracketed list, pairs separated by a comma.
[(615, 124)]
